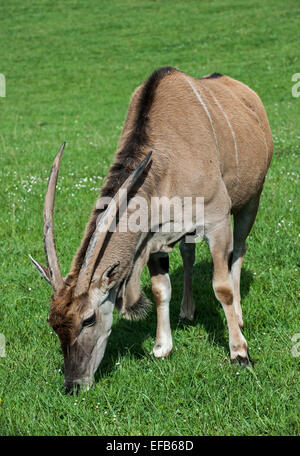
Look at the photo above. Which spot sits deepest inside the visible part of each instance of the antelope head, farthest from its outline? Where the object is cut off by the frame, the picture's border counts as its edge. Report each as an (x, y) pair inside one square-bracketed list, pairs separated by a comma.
[(81, 311)]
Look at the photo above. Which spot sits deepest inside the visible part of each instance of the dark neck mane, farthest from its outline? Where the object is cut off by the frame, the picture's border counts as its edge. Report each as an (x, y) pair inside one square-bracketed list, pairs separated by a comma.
[(126, 159)]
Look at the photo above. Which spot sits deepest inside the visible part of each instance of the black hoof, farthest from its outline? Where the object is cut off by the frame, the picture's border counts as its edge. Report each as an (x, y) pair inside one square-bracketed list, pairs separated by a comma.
[(72, 389), (244, 361), (183, 321)]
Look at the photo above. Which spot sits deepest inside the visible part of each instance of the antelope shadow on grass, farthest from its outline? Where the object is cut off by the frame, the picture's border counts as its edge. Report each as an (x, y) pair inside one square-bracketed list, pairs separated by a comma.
[(128, 337)]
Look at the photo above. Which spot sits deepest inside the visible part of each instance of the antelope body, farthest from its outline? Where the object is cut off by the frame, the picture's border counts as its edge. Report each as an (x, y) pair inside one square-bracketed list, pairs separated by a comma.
[(209, 137)]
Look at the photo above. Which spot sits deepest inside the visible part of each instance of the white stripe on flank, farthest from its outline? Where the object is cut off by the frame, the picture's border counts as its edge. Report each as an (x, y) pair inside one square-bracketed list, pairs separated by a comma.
[(196, 92), (257, 118), (229, 125)]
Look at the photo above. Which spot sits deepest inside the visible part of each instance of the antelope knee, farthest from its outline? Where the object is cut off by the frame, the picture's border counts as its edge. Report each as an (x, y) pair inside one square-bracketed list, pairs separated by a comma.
[(162, 290), (223, 292)]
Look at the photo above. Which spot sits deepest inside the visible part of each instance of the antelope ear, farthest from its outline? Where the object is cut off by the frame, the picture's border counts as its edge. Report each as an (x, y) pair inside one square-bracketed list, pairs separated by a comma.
[(42, 270), (109, 277)]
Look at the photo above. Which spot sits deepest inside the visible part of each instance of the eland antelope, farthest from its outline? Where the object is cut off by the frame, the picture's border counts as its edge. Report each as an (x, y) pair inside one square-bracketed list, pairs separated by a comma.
[(182, 137)]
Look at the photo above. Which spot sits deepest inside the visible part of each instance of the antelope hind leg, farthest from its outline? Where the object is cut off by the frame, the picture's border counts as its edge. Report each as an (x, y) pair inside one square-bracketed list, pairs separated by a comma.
[(243, 222), (187, 251), (220, 241)]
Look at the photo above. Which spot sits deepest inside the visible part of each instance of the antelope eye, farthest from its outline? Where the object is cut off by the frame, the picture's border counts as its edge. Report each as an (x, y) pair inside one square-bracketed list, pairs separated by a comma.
[(89, 321)]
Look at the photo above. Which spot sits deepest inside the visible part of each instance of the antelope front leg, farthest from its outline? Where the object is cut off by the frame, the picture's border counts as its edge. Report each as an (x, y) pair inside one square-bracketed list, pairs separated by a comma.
[(161, 287)]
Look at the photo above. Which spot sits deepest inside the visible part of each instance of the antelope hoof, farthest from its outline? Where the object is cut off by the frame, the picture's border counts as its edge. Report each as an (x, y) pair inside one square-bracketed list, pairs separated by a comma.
[(185, 316), (162, 351), (243, 361), (187, 312), (187, 309)]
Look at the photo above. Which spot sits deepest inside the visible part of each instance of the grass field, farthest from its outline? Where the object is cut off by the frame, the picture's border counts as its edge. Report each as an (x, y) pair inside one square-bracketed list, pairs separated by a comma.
[(70, 69)]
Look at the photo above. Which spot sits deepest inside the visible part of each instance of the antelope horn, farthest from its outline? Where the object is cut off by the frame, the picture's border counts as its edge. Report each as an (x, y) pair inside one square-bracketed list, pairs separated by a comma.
[(49, 242), (41, 269), (103, 226)]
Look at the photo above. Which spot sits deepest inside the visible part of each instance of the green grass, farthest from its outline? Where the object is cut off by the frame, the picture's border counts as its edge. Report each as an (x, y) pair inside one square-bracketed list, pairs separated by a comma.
[(70, 69)]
